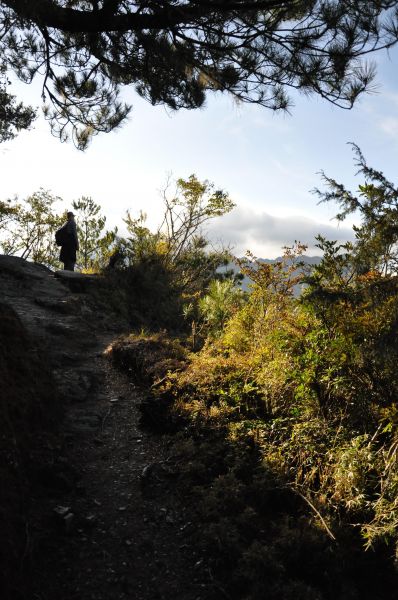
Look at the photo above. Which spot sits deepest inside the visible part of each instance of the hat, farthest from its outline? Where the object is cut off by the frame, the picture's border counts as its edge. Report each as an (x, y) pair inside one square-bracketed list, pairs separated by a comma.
[(70, 214)]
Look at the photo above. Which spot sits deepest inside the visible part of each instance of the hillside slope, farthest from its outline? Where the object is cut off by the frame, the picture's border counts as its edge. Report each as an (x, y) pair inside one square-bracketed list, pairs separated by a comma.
[(87, 507), (94, 506)]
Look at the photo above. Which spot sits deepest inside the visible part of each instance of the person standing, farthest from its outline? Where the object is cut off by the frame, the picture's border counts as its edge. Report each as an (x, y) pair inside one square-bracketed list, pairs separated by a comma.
[(70, 243)]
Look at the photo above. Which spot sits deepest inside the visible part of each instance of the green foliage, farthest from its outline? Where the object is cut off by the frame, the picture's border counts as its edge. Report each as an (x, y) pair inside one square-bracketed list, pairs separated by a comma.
[(152, 277), (27, 229), (187, 210), (149, 357), (141, 244), (246, 470), (95, 244), (178, 241), (164, 272), (376, 202), (8, 209), (177, 52), (145, 293), (352, 293), (277, 279), (30, 228), (222, 300), (308, 386), (14, 117)]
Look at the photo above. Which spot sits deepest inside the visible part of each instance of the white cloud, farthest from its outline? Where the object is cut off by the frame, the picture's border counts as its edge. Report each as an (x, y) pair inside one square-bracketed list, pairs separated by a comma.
[(265, 234), (389, 125)]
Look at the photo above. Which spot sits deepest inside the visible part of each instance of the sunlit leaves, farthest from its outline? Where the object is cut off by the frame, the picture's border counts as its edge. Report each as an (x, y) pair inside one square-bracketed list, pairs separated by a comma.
[(96, 244)]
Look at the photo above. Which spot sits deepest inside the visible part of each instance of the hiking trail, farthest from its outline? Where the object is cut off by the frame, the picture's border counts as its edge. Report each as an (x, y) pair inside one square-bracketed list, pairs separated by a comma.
[(105, 521)]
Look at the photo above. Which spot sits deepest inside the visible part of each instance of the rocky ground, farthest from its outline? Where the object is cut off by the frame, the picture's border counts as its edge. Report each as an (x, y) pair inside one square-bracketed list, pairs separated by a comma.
[(103, 519), (93, 506)]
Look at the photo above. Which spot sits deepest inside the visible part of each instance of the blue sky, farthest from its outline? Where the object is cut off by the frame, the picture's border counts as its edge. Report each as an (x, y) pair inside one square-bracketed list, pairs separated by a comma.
[(267, 162)]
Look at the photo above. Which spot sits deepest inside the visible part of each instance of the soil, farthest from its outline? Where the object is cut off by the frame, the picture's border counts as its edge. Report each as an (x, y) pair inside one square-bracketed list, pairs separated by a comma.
[(103, 519), (93, 506), (122, 532)]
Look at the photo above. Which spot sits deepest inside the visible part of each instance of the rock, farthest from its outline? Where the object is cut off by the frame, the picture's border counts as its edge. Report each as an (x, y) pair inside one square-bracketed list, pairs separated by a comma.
[(77, 282), (90, 519), (62, 511), (198, 563), (65, 517), (75, 275), (146, 471), (22, 269)]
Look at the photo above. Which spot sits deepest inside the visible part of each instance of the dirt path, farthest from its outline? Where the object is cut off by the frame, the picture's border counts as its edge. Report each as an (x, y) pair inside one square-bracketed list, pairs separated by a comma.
[(106, 522), (124, 532)]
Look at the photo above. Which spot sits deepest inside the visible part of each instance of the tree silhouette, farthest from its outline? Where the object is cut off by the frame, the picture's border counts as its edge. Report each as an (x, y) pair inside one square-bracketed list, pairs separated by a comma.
[(13, 116), (175, 51)]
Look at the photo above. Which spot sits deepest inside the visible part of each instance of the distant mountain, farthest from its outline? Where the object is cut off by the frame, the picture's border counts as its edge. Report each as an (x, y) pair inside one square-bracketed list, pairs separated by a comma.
[(246, 281), (309, 260)]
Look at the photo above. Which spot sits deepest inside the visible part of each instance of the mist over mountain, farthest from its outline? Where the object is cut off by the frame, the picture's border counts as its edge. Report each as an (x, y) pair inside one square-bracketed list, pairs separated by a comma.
[(246, 281), (265, 234)]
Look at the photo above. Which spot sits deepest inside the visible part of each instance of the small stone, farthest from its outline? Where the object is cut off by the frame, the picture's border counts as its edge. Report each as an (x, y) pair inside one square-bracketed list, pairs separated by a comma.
[(146, 471), (90, 519), (62, 511)]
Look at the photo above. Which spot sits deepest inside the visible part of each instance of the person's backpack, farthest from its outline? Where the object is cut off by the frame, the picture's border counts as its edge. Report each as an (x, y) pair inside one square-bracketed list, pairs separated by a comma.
[(61, 236)]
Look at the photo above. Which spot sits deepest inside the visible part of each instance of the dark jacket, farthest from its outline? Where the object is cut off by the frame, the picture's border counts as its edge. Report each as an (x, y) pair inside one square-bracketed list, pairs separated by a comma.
[(68, 249)]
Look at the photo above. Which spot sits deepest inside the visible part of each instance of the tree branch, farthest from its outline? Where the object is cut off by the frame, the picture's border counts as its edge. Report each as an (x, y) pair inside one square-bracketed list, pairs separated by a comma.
[(49, 14)]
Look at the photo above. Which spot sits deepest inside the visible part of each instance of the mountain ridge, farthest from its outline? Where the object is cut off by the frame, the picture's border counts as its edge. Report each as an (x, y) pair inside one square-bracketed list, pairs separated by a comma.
[(246, 281)]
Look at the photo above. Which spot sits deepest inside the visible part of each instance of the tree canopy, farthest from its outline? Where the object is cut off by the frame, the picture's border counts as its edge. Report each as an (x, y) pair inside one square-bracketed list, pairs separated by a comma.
[(376, 203), (175, 51), (13, 116)]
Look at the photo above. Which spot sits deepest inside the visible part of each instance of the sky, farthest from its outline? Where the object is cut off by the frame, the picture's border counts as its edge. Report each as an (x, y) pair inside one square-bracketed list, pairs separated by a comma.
[(267, 162)]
